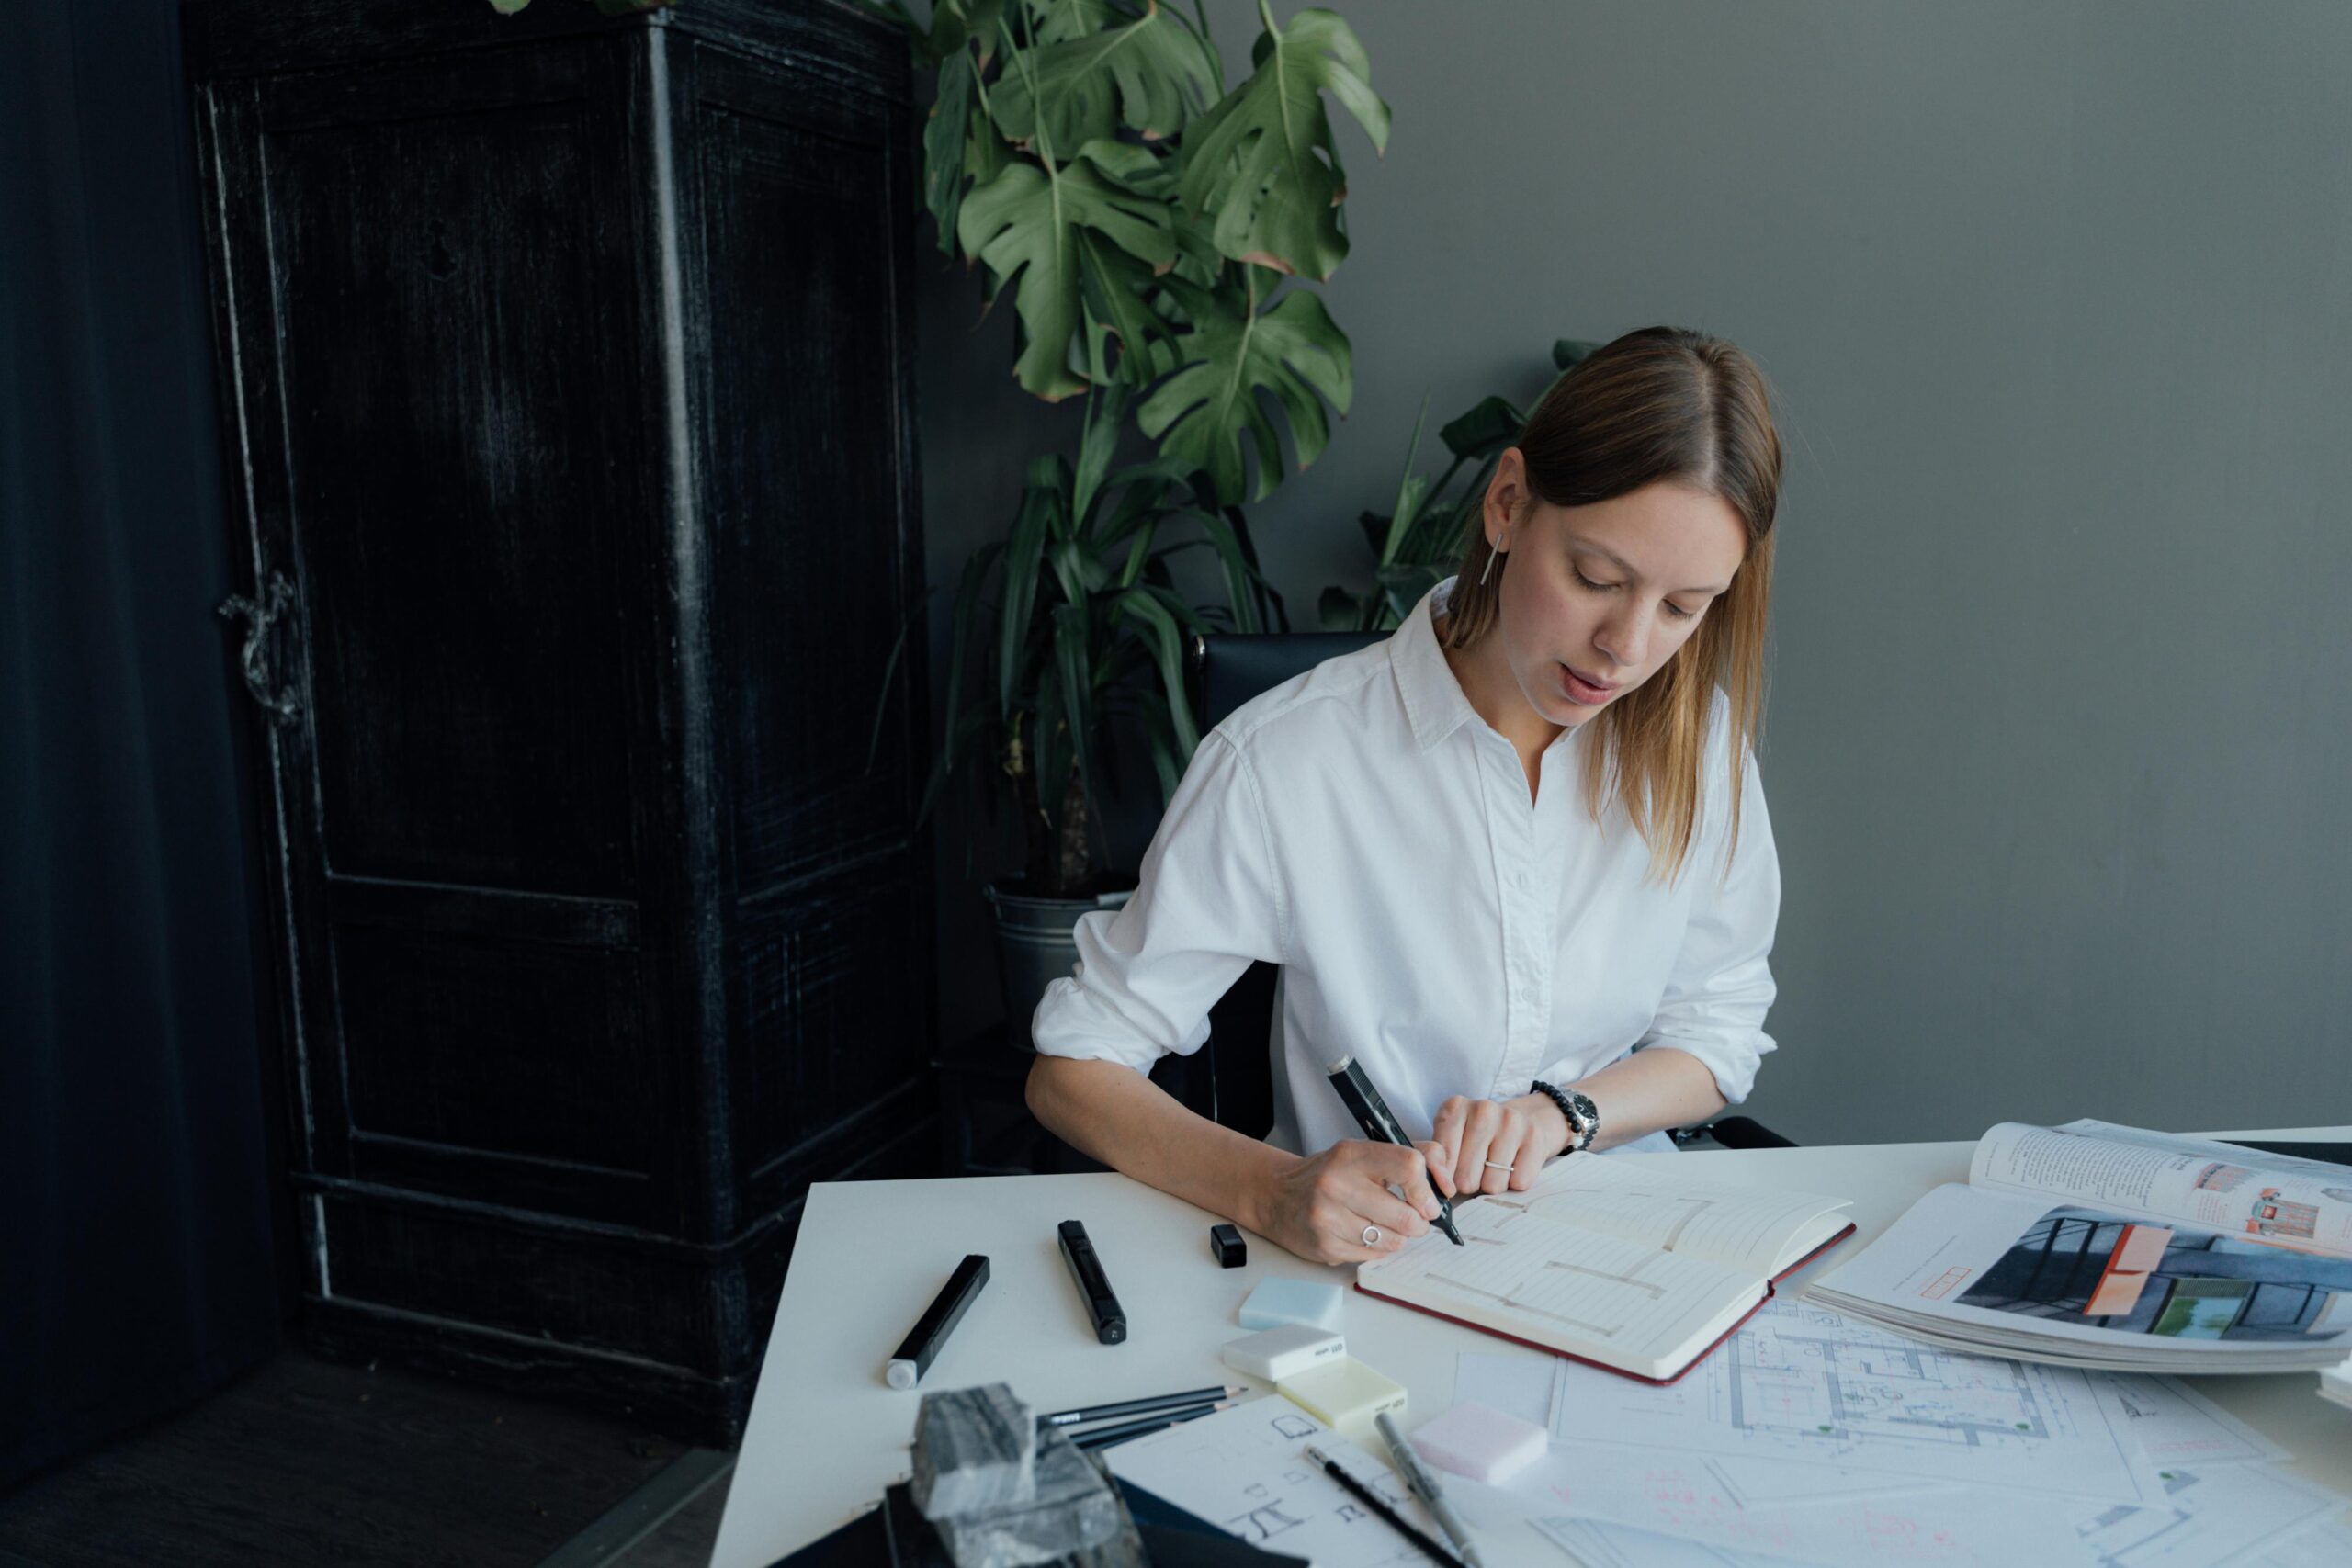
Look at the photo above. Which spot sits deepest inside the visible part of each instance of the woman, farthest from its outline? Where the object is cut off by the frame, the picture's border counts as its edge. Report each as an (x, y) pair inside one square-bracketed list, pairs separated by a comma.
[(1514, 860)]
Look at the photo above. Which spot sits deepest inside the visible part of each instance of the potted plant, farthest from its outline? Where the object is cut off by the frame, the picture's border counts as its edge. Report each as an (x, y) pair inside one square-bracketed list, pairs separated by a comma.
[(1071, 625), (1419, 541), (1157, 231)]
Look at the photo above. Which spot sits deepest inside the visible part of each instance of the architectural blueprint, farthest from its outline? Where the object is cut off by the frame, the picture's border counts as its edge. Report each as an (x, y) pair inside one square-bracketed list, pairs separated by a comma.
[(2174, 1424), (1677, 1497), (2227, 1514), (1801, 1383), (2289, 1539), (1522, 1385)]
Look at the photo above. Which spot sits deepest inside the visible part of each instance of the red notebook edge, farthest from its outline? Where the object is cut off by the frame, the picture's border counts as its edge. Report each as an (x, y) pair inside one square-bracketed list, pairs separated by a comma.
[(1815, 1253), (1770, 1290)]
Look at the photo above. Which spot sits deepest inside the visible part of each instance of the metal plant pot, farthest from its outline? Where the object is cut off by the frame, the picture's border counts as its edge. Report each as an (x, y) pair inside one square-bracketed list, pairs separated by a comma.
[(1035, 945)]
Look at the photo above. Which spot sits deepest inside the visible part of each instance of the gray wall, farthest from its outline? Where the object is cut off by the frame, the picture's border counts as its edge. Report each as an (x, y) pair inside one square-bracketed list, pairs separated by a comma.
[(2058, 301)]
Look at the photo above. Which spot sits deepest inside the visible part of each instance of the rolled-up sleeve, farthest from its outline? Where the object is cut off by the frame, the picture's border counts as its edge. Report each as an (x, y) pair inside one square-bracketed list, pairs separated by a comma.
[(1722, 984), (1208, 904)]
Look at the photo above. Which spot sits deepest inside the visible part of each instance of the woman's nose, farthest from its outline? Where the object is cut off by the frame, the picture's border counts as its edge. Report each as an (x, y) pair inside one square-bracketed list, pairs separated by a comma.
[(1621, 639)]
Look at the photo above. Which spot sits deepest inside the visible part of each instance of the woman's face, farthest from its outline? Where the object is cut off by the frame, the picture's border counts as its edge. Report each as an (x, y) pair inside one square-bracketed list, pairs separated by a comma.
[(1596, 599)]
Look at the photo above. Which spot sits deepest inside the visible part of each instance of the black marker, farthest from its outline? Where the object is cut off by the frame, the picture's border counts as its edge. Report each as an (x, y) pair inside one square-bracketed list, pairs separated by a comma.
[(939, 1321), (1379, 1125), (1093, 1285)]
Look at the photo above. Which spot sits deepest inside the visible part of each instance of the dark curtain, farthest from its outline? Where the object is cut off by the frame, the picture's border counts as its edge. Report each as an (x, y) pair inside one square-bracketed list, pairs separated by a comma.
[(136, 1220)]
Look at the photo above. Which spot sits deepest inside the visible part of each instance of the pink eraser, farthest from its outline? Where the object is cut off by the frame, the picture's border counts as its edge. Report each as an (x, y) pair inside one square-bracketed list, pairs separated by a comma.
[(1481, 1443)]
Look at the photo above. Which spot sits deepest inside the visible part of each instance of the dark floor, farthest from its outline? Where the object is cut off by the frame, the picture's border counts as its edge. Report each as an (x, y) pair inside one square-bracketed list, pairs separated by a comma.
[(309, 1461)]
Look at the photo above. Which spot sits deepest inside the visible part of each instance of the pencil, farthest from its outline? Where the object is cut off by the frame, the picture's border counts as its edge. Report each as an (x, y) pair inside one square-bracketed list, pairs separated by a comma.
[(1103, 1437), (1144, 1406), (1372, 1500)]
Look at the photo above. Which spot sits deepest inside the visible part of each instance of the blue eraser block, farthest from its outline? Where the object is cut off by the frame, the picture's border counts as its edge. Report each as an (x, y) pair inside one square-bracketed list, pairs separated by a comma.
[(1277, 1302)]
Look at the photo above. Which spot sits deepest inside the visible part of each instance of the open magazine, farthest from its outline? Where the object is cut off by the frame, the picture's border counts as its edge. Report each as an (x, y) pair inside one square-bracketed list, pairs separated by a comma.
[(2096, 1246)]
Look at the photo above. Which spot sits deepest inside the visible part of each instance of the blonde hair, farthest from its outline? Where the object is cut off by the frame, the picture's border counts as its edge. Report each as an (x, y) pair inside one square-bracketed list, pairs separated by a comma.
[(1658, 405)]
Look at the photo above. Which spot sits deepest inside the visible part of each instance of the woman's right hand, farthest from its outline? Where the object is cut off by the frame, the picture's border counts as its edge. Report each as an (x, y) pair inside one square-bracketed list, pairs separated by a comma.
[(1318, 1207)]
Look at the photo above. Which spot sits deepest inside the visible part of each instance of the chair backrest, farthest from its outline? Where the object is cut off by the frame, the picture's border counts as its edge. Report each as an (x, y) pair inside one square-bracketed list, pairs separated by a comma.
[(1231, 1080), (1229, 670)]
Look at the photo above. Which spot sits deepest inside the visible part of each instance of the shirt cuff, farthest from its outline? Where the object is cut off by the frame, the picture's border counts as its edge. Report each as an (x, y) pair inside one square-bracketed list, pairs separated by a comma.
[(1075, 1023), (1732, 1060)]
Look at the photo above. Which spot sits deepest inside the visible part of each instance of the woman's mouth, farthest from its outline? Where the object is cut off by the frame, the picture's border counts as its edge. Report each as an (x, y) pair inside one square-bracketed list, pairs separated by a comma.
[(1582, 692)]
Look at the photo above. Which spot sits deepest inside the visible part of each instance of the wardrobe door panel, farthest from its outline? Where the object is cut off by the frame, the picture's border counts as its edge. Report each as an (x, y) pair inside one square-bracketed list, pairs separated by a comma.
[(808, 524), (453, 472)]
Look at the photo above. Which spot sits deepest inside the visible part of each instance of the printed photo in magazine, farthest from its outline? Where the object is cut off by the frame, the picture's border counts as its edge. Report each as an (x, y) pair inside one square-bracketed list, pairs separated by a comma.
[(2132, 1277), (2097, 1246)]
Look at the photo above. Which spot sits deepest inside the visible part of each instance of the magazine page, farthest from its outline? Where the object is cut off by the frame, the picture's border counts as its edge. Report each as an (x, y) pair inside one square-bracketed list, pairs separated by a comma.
[(1753, 1230), (2299, 1204), (2039, 1264)]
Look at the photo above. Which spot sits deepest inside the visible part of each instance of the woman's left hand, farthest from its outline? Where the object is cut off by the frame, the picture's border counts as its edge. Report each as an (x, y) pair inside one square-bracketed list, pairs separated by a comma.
[(1487, 1145)]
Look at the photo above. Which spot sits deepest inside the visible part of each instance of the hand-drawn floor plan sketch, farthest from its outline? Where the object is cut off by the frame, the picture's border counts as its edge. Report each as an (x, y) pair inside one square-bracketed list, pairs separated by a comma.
[(1247, 1469)]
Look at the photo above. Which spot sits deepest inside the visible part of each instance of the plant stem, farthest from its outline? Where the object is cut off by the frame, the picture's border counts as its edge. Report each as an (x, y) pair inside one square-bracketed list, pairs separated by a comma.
[(1074, 860)]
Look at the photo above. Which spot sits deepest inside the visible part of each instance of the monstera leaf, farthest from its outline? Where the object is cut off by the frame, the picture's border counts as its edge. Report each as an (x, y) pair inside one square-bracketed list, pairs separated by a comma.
[(610, 8), (1149, 74), (1263, 163), (1028, 222), (1234, 351)]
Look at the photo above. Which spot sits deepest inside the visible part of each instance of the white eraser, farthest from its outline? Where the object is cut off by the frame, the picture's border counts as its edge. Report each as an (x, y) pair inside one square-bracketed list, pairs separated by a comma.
[(1279, 1301), (1484, 1445), (1283, 1352)]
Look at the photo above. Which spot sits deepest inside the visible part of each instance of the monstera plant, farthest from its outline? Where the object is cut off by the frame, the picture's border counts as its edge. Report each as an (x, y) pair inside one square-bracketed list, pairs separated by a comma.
[(1156, 230), (1419, 541), (610, 8), (1090, 156), (1160, 232)]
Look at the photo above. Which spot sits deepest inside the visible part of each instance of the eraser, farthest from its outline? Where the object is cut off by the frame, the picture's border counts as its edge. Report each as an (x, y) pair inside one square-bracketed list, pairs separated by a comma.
[(1230, 1251), (1279, 1353), (1480, 1443), (1277, 1302), (1345, 1394)]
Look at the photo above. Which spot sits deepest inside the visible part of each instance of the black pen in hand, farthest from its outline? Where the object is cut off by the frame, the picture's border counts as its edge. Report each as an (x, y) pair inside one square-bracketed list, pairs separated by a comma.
[(1379, 1125)]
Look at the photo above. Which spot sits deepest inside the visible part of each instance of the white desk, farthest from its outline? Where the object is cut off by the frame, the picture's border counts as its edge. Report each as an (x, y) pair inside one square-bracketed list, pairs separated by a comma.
[(826, 1435)]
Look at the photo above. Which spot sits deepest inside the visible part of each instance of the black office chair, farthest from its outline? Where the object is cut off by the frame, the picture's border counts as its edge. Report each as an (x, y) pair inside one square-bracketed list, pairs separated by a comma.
[(1230, 1080)]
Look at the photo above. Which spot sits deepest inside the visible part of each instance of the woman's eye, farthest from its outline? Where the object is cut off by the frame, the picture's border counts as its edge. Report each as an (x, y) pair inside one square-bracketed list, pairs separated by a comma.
[(1673, 609)]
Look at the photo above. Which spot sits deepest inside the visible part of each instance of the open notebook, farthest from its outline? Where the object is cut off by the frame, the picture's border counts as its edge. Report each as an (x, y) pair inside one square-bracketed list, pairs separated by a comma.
[(1630, 1265)]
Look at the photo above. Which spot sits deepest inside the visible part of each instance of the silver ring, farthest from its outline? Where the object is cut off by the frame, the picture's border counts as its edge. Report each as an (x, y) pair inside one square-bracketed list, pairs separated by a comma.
[(1372, 1236), (1497, 1165)]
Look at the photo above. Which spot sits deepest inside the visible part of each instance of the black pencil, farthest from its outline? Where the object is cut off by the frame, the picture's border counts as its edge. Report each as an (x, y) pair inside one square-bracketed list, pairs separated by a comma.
[(1103, 1437), (1148, 1406), (1372, 1500)]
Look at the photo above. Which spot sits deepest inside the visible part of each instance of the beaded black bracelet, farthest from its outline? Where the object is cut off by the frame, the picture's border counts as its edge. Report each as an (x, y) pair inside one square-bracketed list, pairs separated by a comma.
[(1583, 1116)]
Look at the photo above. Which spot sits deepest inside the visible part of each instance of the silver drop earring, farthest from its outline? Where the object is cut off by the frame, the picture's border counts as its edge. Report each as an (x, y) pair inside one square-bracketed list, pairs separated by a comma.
[(1492, 552)]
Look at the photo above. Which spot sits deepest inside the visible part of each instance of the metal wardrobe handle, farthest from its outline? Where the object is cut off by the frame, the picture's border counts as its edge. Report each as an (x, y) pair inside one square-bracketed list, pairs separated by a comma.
[(260, 615)]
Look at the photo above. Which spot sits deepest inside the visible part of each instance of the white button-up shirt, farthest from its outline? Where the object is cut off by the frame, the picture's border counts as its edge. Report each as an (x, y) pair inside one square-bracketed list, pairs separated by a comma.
[(1363, 827)]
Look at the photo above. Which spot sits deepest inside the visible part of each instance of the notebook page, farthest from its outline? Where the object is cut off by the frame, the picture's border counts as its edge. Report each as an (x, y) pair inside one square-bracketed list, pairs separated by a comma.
[(1594, 1293), (1749, 1229)]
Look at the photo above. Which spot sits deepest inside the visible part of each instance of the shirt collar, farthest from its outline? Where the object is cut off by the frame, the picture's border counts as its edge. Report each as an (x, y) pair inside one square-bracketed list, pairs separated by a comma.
[(1434, 703)]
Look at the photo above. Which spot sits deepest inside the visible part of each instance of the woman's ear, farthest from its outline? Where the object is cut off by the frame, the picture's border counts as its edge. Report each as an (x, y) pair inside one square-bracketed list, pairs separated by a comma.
[(1506, 494)]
